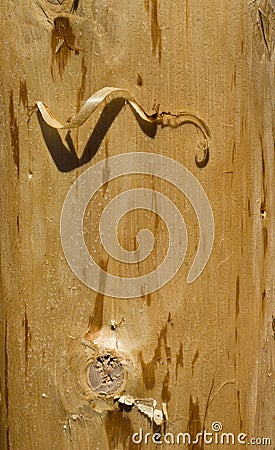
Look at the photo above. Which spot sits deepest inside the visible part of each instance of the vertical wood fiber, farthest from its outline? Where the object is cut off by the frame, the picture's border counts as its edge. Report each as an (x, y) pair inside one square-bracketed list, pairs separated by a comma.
[(207, 348)]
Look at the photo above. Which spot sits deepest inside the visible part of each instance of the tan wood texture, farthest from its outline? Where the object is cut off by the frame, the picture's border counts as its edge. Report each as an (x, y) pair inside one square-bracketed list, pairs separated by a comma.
[(205, 349)]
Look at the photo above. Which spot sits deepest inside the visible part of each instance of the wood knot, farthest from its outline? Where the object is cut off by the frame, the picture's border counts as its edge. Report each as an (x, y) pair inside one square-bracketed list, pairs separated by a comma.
[(106, 374)]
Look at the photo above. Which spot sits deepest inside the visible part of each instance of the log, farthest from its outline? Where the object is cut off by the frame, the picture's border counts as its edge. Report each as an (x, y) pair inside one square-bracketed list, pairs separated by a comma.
[(101, 349)]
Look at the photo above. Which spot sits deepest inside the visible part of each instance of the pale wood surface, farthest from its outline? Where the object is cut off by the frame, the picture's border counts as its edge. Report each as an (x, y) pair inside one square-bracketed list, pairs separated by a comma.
[(213, 339)]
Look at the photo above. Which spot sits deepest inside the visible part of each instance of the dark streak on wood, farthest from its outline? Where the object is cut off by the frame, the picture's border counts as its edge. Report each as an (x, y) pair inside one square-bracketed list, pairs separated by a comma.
[(195, 359), (166, 393), (194, 422), (263, 202), (18, 223), (237, 306), (234, 79), (249, 207), (206, 411), (27, 335), (6, 367), (62, 34), (239, 409), (262, 24), (233, 153), (119, 431), (81, 90), (263, 302), (262, 147), (265, 240), (96, 319), (237, 296), (242, 46), (242, 234), (157, 217), (148, 299), (263, 171), (106, 147), (8, 437), (6, 375), (106, 169), (14, 132), (74, 6), (139, 80), (149, 369), (23, 94), (179, 359), (146, 4), (81, 94), (155, 28)]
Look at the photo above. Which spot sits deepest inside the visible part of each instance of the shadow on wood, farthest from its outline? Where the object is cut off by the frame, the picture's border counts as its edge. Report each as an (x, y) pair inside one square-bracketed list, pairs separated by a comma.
[(66, 158)]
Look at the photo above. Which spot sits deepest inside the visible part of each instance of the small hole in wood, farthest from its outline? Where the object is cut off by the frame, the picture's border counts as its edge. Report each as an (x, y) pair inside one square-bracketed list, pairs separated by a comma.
[(263, 212)]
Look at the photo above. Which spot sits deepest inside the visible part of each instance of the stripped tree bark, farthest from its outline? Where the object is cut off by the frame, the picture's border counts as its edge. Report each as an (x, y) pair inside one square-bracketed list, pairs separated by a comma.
[(83, 370)]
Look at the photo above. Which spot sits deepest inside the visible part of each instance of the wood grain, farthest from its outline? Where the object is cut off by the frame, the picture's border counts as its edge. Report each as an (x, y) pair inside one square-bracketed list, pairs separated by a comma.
[(205, 349)]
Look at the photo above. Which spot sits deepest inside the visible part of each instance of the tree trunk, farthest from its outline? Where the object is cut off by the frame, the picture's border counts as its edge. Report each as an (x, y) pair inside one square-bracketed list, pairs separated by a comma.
[(200, 342)]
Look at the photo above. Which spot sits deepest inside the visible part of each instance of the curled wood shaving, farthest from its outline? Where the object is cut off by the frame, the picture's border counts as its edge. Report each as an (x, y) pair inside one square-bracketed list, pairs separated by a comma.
[(150, 410), (127, 400), (153, 414), (106, 94), (164, 411)]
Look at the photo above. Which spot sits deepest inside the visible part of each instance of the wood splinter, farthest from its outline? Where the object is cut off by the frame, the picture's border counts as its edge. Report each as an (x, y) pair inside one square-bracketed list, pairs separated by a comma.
[(146, 407)]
